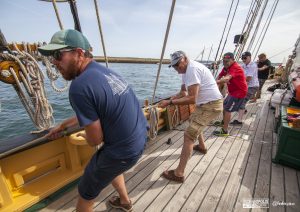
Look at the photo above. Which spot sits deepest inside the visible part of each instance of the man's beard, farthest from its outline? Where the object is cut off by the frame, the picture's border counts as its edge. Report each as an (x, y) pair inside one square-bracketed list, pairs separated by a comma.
[(72, 70)]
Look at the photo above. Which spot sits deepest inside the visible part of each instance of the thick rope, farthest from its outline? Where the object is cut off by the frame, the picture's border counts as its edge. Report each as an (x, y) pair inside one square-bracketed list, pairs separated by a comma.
[(57, 14), (164, 47), (175, 117), (257, 26), (153, 122), (229, 29), (101, 32), (269, 21), (33, 96), (224, 30)]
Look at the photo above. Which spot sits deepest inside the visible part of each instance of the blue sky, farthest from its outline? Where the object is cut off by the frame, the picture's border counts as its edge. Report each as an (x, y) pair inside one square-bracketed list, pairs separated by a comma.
[(136, 28)]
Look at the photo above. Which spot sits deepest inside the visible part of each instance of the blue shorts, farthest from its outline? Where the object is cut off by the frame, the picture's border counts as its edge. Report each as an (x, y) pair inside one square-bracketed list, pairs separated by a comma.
[(232, 104), (100, 172)]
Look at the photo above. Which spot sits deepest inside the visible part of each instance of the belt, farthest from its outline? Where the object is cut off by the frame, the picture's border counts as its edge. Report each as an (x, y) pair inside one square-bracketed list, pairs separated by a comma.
[(211, 102)]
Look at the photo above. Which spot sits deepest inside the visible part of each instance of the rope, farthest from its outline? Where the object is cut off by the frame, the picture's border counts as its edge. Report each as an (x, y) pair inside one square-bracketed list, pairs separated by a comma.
[(164, 47), (53, 75), (257, 26), (175, 117), (32, 93), (153, 122), (224, 30), (272, 13), (57, 14), (253, 11), (101, 33), (229, 29)]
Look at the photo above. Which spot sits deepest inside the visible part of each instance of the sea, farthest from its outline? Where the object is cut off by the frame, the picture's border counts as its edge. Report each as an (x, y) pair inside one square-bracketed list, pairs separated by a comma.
[(14, 120)]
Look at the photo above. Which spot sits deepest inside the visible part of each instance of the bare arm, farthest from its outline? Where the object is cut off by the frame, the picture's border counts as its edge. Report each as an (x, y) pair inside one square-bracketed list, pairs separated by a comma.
[(188, 99), (181, 93), (248, 78), (54, 132), (224, 79), (94, 133), (263, 68)]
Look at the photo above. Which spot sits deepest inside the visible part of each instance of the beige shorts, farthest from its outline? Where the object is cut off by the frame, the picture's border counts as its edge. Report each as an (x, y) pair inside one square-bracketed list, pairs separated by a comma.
[(202, 116)]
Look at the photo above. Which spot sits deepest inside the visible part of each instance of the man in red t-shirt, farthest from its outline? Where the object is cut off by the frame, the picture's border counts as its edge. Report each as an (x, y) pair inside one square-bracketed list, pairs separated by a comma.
[(234, 76)]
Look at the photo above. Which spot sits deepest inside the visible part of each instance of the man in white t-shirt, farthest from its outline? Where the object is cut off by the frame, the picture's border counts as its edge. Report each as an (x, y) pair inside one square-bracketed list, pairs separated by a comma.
[(251, 70), (198, 87)]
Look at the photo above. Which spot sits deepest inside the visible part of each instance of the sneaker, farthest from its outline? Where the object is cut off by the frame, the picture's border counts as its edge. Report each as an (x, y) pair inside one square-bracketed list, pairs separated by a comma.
[(116, 203), (236, 122), (218, 123), (222, 132)]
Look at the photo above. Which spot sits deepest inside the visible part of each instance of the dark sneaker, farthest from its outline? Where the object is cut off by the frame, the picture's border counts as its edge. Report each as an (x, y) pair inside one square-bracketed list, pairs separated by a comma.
[(116, 203), (218, 123), (236, 122), (222, 132)]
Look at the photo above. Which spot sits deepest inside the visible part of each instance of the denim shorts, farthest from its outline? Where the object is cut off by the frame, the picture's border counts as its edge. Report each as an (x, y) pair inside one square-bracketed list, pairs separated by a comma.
[(232, 104), (100, 172)]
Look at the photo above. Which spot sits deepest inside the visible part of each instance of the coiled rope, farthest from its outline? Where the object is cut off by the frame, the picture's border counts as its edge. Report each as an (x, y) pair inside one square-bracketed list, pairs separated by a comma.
[(153, 121), (29, 83)]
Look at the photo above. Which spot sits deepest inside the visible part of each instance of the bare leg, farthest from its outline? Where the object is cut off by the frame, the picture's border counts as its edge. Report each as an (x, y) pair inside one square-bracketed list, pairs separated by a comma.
[(201, 141), (185, 155), (241, 114), (227, 116), (119, 184), (84, 205)]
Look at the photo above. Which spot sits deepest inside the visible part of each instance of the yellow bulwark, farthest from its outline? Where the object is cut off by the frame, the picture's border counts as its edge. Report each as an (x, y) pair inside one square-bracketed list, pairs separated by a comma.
[(29, 176)]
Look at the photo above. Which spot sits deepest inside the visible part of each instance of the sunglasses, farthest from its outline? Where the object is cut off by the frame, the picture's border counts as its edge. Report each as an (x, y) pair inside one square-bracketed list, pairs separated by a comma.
[(57, 55), (177, 64)]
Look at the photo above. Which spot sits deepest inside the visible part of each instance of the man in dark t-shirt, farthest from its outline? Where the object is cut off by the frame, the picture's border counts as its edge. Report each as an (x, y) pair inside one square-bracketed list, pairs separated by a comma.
[(264, 67), (110, 113)]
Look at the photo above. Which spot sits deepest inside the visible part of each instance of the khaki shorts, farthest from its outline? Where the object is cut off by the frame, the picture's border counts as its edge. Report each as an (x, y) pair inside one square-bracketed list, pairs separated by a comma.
[(202, 116)]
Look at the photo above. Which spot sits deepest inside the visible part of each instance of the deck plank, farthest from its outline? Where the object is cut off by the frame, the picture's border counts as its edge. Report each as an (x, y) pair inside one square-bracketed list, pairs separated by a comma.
[(292, 191), (216, 190), (250, 176), (207, 177), (277, 189)]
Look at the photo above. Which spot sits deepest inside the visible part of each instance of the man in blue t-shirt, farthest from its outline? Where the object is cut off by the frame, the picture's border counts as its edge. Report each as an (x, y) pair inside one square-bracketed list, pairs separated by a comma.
[(108, 110)]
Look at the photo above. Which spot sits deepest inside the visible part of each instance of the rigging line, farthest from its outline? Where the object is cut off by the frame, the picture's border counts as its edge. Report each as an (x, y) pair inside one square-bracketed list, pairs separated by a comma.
[(281, 52), (200, 54), (164, 47), (245, 24), (276, 3), (257, 26), (264, 27), (224, 29), (74, 12), (101, 32), (248, 30), (211, 48), (229, 28), (57, 14)]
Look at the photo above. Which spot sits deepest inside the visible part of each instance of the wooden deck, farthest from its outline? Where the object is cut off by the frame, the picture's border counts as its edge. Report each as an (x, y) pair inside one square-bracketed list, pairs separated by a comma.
[(235, 169)]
